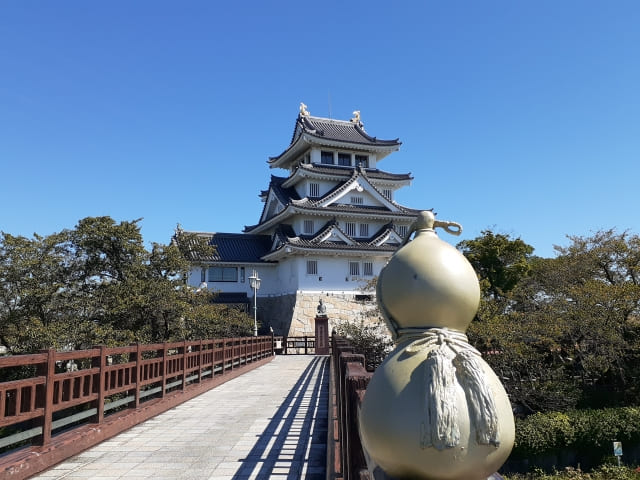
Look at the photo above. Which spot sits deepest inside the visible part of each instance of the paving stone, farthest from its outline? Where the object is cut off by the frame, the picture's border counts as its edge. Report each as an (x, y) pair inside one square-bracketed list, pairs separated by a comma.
[(270, 423)]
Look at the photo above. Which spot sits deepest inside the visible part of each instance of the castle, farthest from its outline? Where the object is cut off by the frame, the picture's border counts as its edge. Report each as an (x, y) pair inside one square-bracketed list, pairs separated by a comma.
[(328, 226)]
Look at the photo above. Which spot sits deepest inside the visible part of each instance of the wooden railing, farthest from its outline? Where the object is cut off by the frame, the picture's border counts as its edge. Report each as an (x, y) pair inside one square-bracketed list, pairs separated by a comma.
[(301, 345), (52, 391), (349, 379)]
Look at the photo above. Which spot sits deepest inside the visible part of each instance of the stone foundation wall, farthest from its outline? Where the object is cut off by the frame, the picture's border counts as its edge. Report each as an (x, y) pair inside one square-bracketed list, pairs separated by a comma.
[(294, 314)]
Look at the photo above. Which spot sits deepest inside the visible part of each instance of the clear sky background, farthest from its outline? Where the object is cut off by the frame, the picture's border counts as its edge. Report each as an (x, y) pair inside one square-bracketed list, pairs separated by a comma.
[(522, 117)]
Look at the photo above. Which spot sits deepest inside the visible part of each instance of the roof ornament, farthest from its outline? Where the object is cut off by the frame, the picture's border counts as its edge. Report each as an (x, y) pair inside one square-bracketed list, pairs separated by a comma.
[(356, 118), (303, 110), (179, 230)]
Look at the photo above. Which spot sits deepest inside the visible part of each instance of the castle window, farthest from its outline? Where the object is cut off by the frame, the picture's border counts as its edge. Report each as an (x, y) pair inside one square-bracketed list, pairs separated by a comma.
[(357, 200), (326, 157), (350, 228), (223, 274), (402, 230), (314, 189), (362, 161), (203, 275), (367, 269), (312, 267), (354, 269), (388, 193), (308, 226), (364, 229), (344, 159)]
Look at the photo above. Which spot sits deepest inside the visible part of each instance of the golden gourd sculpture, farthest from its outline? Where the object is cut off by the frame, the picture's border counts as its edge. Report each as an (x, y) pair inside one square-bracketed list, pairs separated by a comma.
[(434, 409)]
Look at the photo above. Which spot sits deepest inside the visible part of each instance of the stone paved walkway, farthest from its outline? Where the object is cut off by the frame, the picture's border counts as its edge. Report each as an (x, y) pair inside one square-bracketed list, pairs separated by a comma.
[(270, 423)]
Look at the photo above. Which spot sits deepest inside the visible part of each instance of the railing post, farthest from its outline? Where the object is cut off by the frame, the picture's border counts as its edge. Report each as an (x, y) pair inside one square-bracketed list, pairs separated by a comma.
[(200, 366), (273, 345), (284, 340), (306, 350), (224, 344), (165, 351), (101, 363), (47, 418), (138, 374), (184, 365)]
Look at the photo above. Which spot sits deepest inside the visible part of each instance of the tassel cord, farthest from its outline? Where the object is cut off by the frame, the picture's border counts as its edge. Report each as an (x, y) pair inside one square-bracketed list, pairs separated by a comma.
[(447, 349)]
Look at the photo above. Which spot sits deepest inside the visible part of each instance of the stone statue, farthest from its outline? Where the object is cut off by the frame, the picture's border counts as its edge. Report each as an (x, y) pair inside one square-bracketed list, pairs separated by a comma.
[(322, 309)]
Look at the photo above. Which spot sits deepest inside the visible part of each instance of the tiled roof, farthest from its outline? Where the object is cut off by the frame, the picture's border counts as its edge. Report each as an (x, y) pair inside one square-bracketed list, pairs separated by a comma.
[(341, 188), (333, 247), (386, 230), (236, 247), (341, 171), (379, 212), (339, 130), (284, 195), (330, 130), (358, 243), (343, 246)]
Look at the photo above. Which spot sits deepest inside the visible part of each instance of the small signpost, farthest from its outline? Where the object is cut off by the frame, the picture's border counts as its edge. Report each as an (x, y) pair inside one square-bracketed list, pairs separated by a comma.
[(617, 450)]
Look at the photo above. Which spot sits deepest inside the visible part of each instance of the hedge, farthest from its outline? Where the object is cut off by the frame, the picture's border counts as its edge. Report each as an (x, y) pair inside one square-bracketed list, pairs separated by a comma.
[(605, 472), (577, 429)]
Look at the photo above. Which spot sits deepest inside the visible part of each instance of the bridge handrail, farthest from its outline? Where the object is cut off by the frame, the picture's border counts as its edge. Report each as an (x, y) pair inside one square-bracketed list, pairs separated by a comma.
[(349, 379), (58, 389), (301, 344)]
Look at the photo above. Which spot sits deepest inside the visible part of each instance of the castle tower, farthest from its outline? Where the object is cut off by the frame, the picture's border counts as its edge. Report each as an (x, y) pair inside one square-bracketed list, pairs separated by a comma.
[(328, 226)]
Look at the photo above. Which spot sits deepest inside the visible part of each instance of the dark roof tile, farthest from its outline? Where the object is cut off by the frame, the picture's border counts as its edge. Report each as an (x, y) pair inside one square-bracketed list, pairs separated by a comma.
[(340, 130), (237, 247)]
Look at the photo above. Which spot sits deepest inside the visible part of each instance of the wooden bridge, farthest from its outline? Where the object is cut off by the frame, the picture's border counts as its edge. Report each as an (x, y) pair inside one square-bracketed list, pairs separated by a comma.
[(98, 413)]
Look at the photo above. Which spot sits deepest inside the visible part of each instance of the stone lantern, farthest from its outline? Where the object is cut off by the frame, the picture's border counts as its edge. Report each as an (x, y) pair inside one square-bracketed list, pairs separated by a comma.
[(434, 409)]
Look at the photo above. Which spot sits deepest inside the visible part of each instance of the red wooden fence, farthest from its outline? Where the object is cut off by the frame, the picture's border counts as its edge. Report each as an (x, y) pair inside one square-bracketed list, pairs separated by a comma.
[(55, 391)]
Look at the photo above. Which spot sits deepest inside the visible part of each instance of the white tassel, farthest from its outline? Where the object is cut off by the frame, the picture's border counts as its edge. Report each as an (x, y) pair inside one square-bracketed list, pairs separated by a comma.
[(440, 426), (482, 407), (450, 359)]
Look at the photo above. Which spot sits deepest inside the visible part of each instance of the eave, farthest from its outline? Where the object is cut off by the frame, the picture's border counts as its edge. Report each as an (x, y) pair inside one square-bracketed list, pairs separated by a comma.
[(290, 249), (337, 173), (329, 212), (307, 140)]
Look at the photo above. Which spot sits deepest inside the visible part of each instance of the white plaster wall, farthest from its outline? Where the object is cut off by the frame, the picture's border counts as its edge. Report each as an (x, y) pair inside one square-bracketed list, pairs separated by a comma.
[(270, 284), (302, 188), (333, 274)]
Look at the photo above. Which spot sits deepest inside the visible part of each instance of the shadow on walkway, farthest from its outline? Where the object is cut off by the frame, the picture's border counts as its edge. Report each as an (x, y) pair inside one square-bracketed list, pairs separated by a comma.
[(293, 446)]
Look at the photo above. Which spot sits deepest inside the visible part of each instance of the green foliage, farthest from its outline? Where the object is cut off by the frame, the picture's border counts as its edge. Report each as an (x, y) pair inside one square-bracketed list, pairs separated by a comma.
[(369, 338), (206, 320), (579, 429), (566, 334), (604, 472), (501, 262), (367, 332), (98, 284)]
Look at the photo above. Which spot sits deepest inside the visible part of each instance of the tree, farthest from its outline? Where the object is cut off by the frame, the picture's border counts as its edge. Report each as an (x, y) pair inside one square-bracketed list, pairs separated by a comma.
[(574, 338), (500, 262), (98, 284), (367, 331)]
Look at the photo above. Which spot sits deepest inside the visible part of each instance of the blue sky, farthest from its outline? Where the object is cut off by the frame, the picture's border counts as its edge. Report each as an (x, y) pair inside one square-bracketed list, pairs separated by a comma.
[(522, 117)]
